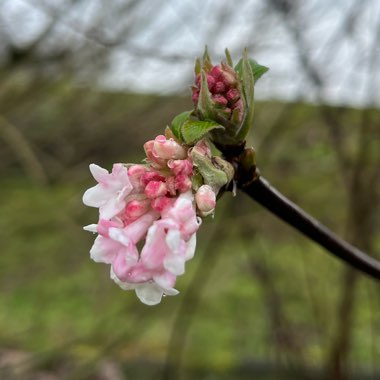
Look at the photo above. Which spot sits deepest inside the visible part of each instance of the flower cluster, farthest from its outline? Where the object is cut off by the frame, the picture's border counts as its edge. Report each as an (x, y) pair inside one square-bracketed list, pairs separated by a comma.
[(154, 202), (222, 82)]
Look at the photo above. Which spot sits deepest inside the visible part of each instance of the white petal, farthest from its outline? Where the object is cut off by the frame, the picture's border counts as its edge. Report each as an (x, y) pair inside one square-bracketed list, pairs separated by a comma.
[(119, 235), (175, 264), (95, 196), (104, 250), (190, 250), (173, 240), (111, 207), (99, 173), (91, 228), (149, 293), (171, 292)]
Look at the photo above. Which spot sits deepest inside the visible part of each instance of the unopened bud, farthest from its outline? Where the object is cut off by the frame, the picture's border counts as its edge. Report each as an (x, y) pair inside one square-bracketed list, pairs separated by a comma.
[(155, 189), (153, 159), (168, 149), (136, 207), (181, 167), (206, 200)]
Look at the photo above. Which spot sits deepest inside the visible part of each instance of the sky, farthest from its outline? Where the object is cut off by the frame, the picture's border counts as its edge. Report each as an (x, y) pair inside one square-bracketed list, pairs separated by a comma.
[(340, 40)]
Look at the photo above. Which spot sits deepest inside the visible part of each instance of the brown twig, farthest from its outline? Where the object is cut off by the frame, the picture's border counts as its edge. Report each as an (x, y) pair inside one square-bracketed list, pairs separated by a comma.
[(262, 192)]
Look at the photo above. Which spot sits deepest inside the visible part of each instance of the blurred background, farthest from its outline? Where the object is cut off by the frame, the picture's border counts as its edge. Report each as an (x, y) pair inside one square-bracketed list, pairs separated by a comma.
[(85, 81)]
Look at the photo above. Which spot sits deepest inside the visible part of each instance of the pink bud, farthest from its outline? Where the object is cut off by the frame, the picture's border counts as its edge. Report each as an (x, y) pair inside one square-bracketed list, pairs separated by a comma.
[(155, 189), (137, 207), (229, 76), (161, 203), (219, 99), (152, 158), (168, 149), (220, 87), (233, 95), (216, 72), (210, 82), (195, 95), (181, 167), (182, 183), (151, 176), (205, 199)]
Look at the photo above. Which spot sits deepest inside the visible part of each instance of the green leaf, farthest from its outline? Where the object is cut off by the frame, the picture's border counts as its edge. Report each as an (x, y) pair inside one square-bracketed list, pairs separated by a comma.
[(177, 122), (206, 106), (228, 57), (257, 69), (198, 66), (194, 130), (207, 64), (248, 79), (248, 82)]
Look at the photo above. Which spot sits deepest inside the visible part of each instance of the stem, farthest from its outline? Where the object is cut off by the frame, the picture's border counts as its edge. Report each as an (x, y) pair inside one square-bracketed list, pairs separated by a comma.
[(262, 192)]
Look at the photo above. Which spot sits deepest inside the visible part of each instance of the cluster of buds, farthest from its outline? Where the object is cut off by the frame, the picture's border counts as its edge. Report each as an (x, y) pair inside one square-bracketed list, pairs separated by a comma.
[(223, 84), (156, 202)]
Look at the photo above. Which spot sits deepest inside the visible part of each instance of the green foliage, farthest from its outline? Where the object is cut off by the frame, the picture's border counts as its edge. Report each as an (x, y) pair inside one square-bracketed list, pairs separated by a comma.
[(194, 130), (257, 70), (177, 123)]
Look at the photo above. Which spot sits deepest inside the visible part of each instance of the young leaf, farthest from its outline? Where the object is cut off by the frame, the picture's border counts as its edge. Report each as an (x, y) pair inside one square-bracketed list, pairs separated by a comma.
[(194, 130), (177, 122), (247, 79), (248, 90), (229, 58), (205, 104), (257, 69)]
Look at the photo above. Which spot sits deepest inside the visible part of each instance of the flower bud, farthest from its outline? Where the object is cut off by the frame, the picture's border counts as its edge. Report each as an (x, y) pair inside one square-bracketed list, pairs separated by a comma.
[(182, 183), (206, 200), (153, 159), (155, 189), (210, 168), (181, 167), (168, 149), (136, 207)]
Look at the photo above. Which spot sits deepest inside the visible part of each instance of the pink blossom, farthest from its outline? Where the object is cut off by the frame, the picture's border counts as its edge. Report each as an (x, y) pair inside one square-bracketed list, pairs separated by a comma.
[(152, 204), (205, 199), (168, 149), (111, 190)]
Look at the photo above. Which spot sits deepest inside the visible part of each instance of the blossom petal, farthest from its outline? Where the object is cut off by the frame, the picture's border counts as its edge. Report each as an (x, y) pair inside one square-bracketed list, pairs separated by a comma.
[(149, 293), (165, 280), (124, 261), (100, 174), (175, 259), (104, 250), (91, 228), (111, 208), (122, 284), (190, 250), (96, 196)]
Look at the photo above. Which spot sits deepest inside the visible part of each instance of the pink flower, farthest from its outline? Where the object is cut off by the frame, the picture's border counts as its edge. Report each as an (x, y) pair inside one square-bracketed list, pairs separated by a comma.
[(168, 149), (169, 243), (152, 205), (205, 199), (110, 192)]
